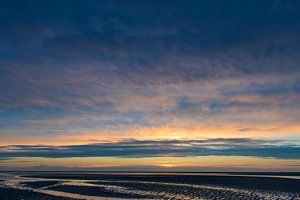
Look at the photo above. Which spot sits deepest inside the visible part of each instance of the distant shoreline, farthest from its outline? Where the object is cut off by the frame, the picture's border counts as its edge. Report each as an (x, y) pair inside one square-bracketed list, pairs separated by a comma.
[(153, 172)]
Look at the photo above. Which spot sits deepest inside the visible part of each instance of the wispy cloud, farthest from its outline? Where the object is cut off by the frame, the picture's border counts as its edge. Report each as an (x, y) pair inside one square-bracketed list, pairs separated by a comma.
[(164, 148), (129, 69)]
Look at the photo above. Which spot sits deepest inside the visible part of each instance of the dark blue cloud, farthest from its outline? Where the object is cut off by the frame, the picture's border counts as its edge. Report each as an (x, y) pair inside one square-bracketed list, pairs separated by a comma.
[(55, 55), (155, 41), (143, 36), (152, 148)]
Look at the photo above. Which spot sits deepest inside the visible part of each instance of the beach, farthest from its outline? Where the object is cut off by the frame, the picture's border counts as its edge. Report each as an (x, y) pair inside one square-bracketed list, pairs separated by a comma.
[(116, 185)]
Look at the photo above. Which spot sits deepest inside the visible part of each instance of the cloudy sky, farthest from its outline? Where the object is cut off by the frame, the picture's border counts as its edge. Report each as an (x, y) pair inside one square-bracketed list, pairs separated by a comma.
[(150, 85)]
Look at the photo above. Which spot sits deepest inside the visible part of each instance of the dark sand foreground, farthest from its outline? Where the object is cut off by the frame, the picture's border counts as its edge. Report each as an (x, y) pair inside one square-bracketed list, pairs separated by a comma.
[(177, 186), (18, 194), (239, 182)]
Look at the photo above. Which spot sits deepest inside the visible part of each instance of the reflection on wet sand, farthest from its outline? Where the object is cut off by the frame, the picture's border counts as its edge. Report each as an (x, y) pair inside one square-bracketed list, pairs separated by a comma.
[(153, 185)]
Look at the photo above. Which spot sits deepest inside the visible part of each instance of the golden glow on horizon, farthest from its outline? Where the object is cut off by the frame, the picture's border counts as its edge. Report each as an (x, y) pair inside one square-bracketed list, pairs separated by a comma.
[(192, 162), (166, 165), (159, 133)]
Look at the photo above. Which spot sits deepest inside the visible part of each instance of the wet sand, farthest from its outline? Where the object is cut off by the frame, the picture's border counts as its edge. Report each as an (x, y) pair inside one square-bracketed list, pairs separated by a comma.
[(39, 184), (178, 186), (244, 182), (18, 194)]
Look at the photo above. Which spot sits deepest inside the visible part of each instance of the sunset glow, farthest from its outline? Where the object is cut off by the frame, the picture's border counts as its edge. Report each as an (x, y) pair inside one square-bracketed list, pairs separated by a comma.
[(150, 85)]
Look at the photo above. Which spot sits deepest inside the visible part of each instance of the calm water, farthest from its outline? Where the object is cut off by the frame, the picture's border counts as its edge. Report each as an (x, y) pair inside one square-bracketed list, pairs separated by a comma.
[(154, 185)]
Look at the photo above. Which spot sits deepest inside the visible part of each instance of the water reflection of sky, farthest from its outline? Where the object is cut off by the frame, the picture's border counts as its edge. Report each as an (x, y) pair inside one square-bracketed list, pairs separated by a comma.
[(15, 180)]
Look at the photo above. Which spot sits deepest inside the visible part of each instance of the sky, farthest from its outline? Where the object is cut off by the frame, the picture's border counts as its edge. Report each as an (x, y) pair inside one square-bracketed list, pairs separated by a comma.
[(168, 85)]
